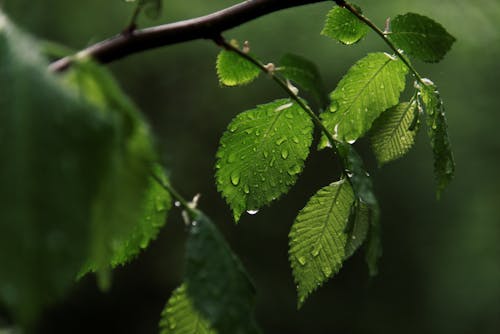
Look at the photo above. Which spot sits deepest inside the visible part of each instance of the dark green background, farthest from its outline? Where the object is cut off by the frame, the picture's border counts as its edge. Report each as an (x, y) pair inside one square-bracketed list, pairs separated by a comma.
[(440, 272)]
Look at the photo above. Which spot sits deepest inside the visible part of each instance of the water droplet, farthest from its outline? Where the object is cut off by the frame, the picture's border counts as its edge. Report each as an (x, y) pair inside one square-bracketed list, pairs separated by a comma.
[(284, 106), (271, 163), (327, 271), (315, 252), (352, 141), (172, 325), (281, 141), (284, 154), (246, 189), (233, 127), (295, 140), (252, 212), (295, 169), (177, 204), (194, 223), (235, 178), (231, 158), (302, 260), (334, 106), (266, 154)]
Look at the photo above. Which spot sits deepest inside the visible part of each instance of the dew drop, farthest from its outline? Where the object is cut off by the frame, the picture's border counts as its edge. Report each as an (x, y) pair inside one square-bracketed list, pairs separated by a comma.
[(302, 260), (231, 158), (284, 154), (246, 189), (327, 271), (295, 169), (252, 212), (233, 127), (281, 141), (266, 154), (177, 204), (235, 178), (295, 140), (315, 252), (352, 141)]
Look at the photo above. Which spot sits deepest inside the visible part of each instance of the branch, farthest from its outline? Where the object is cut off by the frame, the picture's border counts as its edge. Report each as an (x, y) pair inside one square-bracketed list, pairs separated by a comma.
[(204, 27)]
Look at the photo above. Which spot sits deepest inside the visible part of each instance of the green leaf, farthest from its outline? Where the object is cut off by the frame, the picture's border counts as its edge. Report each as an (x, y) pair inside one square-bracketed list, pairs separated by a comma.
[(55, 150), (363, 191), (370, 87), (359, 227), (152, 8), (317, 239), (421, 37), (437, 129), (344, 26), (217, 283), (391, 136), (181, 317), (305, 74), (233, 70), (155, 206), (119, 205), (262, 153)]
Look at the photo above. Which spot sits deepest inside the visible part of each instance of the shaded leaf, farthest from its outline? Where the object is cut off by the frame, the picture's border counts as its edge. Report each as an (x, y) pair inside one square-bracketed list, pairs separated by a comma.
[(261, 154), (359, 227), (374, 246), (181, 317), (344, 26), (437, 129), (55, 151), (233, 70), (305, 74), (421, 37), (119, 205), (217, 283), (155, 206), (370, 87), (391, 136), (317, 239)]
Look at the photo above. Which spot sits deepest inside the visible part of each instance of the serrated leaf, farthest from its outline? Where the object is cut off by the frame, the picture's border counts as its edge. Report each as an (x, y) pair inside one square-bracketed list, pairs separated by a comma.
[(370, 87), (118, 206), (233, 70), (155, 206), (358, 231), (217, 283), (305, 74), (437, 129), (363, 191), (181, 317), (391, 137), (344, 26), (317, 239), (55, 149), (261, 154), (421, 37)]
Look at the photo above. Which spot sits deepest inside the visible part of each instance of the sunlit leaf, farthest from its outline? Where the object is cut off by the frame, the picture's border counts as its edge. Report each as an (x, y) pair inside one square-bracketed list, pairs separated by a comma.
[(216, 281), (305, 74), (437, 129), (370, 87), (233, 70), (181, 317), (55, 151), (261, 154), (391, 136), (344, 26), (421, 37), (317, 239)]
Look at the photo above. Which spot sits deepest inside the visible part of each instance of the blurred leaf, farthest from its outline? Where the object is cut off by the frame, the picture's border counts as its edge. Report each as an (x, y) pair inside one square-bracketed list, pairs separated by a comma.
[(360, 225), (217, 283), (152, 8), (119, 206), (374, 245), (391, 136), (421, 37), (233, 70), (180, 316), (317, 239), (155, 206), (305, 74), (261, 154), (55, 151), (344, 26), (370, 87), (437, 129)]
